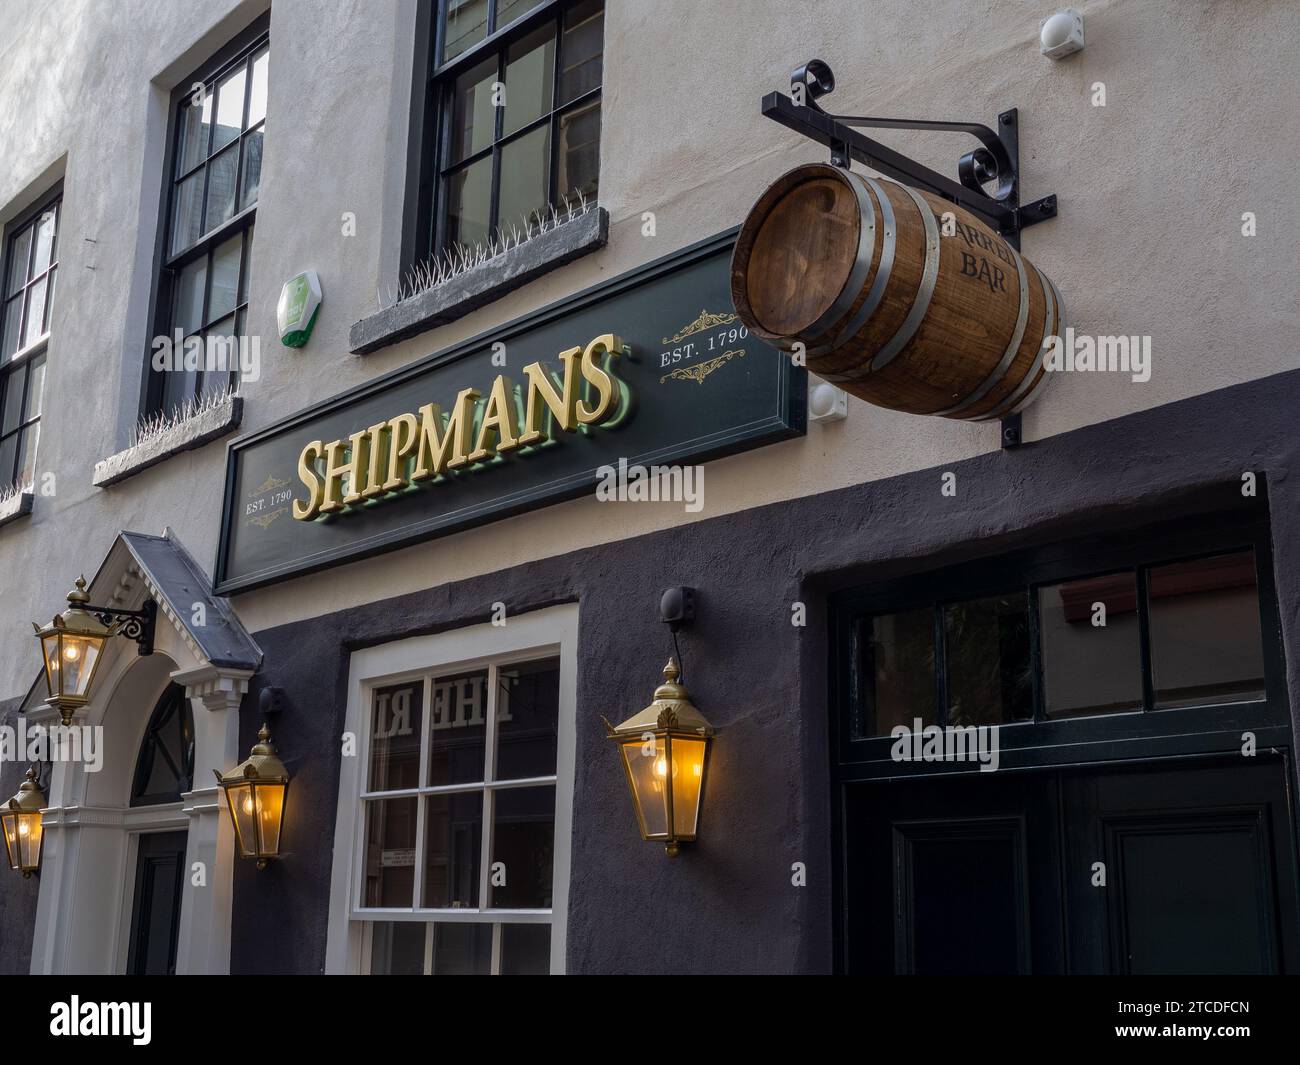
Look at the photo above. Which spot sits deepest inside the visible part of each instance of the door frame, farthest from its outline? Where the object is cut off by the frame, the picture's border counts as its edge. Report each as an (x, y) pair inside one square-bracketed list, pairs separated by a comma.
[(181, 827)]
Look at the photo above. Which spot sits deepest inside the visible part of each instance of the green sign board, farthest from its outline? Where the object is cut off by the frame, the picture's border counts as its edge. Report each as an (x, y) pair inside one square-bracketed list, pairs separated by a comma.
[(652, 368)]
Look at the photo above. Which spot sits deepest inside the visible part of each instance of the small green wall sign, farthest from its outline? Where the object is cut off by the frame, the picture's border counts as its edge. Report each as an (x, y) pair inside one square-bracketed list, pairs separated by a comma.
[(296, 312)]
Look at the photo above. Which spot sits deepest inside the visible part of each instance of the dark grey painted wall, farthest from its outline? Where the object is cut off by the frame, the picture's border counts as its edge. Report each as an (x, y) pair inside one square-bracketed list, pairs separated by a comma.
[(17, 896), (727, 904)]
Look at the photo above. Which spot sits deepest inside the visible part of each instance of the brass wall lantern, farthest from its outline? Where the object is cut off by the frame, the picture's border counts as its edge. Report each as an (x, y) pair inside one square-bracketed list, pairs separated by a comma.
[(255, 791), (20, 820), (664, 750), (72, 646)]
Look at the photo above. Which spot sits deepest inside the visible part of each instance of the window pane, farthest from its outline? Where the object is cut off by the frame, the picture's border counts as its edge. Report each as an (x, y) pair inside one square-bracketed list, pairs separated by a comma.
[(252, 181), (523, 841), (525, 164), (1092, 662), (34, 316), (20, 250), (1205, 634), (528, 707), (579, 162), (395, 742), (469, 200), (13, 315), (220, 357), (187, 312), (225, 277), (530, 78), (525, 949), (27, 454), (8, 455), (986, 660), (230, 109), (473, 118), (390, 853), (897, 672), (187, 206), (13, 403), (458, 728), (580, 51), (195, 128), (248, 266), (453, 844), (221, 188), (462, 949), (179, 387), (257, 91), (44, 241), (397, 948), (466, 25), (35, 389), (509, 10), (51, 277)]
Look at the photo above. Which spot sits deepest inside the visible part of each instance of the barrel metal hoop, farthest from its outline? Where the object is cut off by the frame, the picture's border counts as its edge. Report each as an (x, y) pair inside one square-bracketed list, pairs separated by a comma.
[(861, 265), (924, 291), (1060, 331), (1008, 356), (888, 242), (1053, 306)]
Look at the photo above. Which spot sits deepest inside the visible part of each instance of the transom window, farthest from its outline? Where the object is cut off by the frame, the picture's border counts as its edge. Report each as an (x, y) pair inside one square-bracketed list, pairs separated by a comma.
[(214, 177), (30, 268), (164, 768), (458, 819), (1073, 644), (515, 94)]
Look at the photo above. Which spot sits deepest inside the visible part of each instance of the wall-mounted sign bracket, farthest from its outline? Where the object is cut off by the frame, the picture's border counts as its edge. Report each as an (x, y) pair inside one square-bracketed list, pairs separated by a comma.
[(137, 625), (995, 163)]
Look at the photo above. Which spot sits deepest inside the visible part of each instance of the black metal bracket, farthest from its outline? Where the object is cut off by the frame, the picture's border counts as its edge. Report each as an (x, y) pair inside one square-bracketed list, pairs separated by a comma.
[(137, 625), (995, 162)]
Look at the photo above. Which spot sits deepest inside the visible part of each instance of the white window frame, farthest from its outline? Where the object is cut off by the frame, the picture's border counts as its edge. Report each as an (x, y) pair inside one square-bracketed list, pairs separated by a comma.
[(550, 632)]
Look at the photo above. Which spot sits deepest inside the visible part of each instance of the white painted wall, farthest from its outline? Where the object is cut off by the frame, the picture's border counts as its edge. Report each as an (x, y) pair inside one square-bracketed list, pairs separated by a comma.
[(1199, 127)]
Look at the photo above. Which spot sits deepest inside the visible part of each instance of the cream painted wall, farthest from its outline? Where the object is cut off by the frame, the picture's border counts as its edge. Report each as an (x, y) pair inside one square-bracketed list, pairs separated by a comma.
[(1198, 128)]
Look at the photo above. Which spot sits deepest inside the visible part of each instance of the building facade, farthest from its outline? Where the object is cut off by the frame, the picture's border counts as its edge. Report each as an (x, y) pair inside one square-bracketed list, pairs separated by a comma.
[(495, 238)]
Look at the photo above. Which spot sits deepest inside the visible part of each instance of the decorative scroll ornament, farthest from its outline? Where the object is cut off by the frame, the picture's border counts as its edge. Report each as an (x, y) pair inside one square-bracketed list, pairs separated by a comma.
[(701, 370), (703, 322)]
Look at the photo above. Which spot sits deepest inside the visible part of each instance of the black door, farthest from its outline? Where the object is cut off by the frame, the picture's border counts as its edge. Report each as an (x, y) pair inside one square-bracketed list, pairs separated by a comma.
[(156, 909), (1184, 868)]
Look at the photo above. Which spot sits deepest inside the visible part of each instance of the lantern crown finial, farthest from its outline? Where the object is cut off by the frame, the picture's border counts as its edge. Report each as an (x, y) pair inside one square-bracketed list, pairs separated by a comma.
[(79, 595)]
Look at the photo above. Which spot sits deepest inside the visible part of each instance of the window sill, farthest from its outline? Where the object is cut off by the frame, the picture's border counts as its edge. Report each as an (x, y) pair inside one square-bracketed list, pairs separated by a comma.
[(194, 432), (16, 506), (482, 284)]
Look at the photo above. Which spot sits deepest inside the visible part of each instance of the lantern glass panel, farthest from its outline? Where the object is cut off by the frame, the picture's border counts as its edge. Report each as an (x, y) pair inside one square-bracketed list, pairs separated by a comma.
[(70, 662), (30, 832), (268, 799), (688, 778), (10, 822), (240, 797), (646, 768)]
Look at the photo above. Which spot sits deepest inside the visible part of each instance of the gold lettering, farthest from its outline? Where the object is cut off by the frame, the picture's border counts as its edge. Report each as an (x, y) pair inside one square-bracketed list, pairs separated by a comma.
[(356, 466), (598, 378), (336, 468), (499, 420), (375, 445), (403, 432), (305, 511), (561, 404)]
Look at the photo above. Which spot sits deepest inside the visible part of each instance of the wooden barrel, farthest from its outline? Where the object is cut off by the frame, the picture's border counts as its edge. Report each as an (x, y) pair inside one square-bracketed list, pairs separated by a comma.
[(889, 306)]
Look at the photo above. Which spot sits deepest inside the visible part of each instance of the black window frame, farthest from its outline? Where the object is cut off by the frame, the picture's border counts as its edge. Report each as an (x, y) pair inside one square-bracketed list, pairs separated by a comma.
[(1043, 742), (167, 265), (24, 359), (425, 228)]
